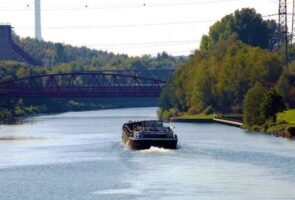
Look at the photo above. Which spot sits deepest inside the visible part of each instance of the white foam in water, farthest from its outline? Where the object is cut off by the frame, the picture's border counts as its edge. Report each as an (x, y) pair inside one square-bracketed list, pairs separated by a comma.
[(156, 150)]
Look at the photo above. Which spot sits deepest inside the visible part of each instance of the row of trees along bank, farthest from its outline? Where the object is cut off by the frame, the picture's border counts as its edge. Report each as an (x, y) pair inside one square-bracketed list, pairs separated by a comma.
[(234, 71), (59, 58)]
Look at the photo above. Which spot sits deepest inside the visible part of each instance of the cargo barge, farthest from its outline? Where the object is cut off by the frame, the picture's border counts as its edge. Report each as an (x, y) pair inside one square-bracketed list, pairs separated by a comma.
[(145, 134)]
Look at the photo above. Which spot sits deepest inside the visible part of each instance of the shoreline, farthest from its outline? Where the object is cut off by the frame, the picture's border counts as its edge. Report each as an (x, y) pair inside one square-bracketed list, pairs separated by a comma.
[(183, 120), (276, 133), (20, 119), (210, 118), (207, 121)]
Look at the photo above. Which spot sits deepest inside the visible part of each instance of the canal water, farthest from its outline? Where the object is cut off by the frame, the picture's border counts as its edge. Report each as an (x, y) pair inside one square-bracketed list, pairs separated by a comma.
[(79, 156)]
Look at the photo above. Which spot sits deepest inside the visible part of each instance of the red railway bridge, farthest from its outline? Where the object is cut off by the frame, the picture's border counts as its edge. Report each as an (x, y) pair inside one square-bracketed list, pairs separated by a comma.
[(82, 84)]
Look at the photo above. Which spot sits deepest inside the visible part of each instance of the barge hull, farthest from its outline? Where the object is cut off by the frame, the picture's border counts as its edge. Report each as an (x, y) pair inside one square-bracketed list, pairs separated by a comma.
[(146, 144)]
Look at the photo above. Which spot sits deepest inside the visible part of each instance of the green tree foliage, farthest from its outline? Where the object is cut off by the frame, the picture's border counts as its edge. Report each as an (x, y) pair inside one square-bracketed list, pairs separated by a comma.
[(286, 85), (247, 25), (252, 106), (221, 77), (57, 57), (232, 58), (272, 104), (55, 54)]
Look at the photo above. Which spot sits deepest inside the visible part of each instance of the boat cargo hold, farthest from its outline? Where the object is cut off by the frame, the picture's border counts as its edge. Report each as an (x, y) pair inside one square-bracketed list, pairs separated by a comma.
[(145, 134)]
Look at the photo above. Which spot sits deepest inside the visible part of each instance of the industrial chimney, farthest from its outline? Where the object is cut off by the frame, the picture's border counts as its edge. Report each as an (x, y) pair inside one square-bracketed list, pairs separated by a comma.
[(38, 20)]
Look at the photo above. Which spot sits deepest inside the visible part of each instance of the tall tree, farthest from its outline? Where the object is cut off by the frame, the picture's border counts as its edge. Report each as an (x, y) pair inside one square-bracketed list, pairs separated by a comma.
[(273, 103), (252, 106), (248, 26)]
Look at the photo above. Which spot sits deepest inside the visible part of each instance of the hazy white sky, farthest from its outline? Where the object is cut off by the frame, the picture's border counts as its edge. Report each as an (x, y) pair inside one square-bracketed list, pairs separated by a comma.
[(134, 27)]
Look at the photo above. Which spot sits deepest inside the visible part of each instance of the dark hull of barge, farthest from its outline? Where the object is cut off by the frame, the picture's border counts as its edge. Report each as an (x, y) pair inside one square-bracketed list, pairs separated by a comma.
[(141, 144)]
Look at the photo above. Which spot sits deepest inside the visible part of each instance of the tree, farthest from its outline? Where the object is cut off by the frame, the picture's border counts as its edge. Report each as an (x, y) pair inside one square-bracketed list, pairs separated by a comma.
[(59, 48), (285, 85), (166, 100), (220, 77), (272, 104), (252, 106), (249, 27)]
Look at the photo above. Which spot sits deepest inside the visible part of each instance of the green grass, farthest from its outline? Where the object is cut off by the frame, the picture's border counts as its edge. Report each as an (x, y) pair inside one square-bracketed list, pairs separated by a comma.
[(288, 116), (198, 116)]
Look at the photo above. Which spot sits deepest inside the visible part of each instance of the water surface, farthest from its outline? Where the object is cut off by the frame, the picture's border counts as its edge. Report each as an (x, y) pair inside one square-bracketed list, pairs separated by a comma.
[(78, 155)]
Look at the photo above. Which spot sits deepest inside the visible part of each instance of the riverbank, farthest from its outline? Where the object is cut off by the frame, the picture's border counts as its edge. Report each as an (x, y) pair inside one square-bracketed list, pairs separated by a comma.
[(29, 108), (198, 118), (230, 120), (284, 127)]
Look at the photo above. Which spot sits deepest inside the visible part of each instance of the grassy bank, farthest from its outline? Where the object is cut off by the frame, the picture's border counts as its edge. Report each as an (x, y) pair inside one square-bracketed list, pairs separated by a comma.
[(287, 116), (174, 115), (284, 127), (197, 116)]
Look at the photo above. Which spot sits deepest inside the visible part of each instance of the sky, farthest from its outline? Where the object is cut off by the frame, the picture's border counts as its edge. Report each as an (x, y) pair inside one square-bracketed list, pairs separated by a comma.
[(133, 27)]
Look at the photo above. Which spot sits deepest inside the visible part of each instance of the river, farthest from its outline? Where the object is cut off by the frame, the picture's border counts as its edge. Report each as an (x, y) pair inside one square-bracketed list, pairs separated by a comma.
[(79, 156)]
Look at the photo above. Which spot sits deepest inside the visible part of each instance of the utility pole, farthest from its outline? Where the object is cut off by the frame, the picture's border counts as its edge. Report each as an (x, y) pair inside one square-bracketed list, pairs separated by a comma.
[(283, 30)]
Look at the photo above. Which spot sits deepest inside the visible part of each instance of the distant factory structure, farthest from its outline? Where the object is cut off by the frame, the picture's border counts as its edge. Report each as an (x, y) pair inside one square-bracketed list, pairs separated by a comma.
[(11, 51), (38, 34)]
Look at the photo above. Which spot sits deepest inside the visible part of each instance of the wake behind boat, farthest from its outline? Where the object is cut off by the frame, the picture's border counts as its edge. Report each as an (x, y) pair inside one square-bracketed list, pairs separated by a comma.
[(145, 134)]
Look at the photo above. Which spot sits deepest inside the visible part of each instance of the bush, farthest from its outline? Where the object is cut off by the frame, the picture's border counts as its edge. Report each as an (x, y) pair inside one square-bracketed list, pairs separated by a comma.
[(194, 110), (279, 130), (174, 112), (32, 110), (5, 114), (164, 115), (252, 104), (291, 130), (272, 104), (19, 111), (256, 128), (160, 113), (208, 110)]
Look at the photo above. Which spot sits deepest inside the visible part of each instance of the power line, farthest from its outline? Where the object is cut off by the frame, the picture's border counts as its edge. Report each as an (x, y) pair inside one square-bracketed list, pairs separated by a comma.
[(124, 25), (28, 8)]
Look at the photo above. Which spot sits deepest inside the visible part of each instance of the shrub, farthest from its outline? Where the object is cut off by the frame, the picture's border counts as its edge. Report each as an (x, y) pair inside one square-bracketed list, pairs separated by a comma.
[(272, 104), (208, 110), (194, 110), (174, 112), (279, 130), (19, 112), (164, 115), (291, 130), (252, 104), (160, 113), (256, 128), (32, 109)]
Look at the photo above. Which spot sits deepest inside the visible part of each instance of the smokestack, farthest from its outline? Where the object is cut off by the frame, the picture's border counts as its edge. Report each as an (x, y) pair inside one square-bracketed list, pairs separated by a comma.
[(38, 20)]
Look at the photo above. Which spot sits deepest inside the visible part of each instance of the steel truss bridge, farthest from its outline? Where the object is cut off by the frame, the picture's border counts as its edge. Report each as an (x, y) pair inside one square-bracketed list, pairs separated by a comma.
[(83, 84)]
